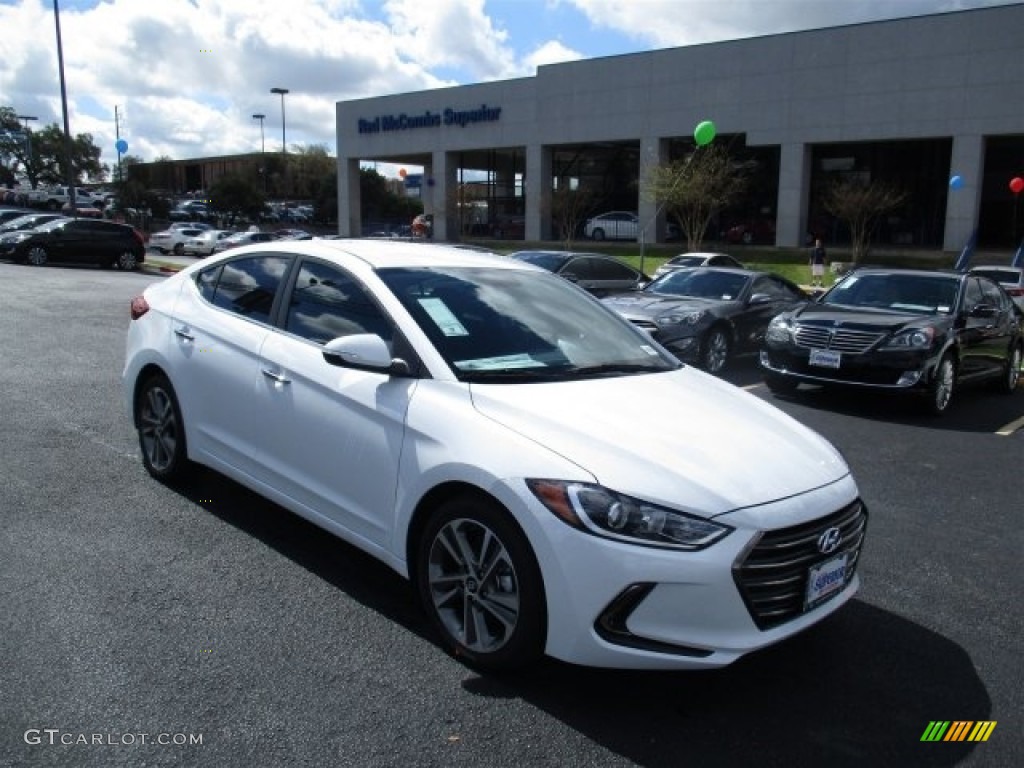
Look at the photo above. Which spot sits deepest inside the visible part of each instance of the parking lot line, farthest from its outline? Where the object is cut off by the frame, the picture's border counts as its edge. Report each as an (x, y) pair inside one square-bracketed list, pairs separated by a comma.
[(1012, 427)]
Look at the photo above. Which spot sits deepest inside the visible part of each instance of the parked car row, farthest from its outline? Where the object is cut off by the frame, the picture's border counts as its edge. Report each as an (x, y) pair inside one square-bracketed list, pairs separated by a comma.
[(39, 239)]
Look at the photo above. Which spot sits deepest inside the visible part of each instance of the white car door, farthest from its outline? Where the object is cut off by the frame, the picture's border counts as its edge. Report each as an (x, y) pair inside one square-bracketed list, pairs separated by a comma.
[(333, 435), (220, 324)]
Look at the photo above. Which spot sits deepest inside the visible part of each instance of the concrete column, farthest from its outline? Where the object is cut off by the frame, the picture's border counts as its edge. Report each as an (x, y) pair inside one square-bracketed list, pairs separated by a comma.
[(350, 204), (962, 205), (440, 181), (537, 190), (793, 194), (653, 153)]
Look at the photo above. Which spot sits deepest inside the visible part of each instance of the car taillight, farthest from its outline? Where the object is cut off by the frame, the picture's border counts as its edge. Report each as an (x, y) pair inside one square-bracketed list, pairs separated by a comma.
[(1015, 291), (139, 307)]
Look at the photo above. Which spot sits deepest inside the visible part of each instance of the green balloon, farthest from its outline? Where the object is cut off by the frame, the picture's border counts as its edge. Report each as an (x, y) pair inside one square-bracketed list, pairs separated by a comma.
[(704, 133)]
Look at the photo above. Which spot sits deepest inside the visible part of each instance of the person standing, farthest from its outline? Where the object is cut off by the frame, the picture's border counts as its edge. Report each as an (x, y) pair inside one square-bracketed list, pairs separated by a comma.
[(818, 260)]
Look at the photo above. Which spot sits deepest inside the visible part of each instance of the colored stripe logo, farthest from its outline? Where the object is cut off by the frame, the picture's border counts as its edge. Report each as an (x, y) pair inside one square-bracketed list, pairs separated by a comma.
[(958, 730)]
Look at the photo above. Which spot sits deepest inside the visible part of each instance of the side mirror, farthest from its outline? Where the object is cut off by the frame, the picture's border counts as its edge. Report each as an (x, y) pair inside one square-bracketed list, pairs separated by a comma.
[(759, 298), (364, 352)]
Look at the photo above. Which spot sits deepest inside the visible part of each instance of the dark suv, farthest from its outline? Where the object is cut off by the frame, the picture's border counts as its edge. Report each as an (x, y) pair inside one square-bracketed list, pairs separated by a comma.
[(82, 241)]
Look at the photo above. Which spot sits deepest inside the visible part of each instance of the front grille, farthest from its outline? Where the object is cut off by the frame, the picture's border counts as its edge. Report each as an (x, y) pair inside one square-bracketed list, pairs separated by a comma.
[(772, 578), (645, 325), (840, 339)]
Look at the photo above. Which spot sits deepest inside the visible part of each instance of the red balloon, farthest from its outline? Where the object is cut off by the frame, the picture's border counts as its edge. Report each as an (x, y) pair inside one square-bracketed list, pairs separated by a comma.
[(1016, 185)]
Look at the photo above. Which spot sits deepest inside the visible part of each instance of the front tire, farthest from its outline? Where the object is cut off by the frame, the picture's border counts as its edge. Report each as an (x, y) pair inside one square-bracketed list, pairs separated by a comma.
[(597, 234), (178, 249), (714, 353), (480, 584), (940, 390), (161, 430), (37, 256)]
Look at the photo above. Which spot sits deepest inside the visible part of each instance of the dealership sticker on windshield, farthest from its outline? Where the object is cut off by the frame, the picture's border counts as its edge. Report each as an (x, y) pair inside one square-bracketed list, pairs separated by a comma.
[(826, 358), (443, 317), (824, 580)]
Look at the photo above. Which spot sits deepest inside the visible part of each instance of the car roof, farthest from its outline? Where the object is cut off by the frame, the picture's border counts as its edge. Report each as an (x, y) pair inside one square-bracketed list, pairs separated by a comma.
[(380, 254)]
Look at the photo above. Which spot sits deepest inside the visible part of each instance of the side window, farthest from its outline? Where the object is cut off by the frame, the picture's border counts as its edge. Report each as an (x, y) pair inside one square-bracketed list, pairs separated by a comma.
[(247, 286), (327, 303), (578, 268), (206, 282), (993, 296), (974, 295), (606, 269)]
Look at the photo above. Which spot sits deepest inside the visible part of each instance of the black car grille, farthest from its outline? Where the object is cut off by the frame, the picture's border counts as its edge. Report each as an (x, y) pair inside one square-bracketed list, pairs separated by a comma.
[(772, 578), (840, 339), (647, 325)]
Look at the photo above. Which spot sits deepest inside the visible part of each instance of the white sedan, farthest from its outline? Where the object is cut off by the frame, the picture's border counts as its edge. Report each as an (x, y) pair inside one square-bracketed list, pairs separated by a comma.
[(205, 243), (551, 481), (173, 240)]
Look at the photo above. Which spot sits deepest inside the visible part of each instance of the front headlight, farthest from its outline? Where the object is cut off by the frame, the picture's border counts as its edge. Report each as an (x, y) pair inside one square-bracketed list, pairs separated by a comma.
[(606, 513), (676, 318), (779, 329), (915, 338)]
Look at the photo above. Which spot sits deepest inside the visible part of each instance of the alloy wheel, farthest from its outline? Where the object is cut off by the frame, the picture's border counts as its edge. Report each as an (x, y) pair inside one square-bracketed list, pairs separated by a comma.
[(473, 585), (716, 351), (942, 387), (126, 261), (37, 256), (158, 429)]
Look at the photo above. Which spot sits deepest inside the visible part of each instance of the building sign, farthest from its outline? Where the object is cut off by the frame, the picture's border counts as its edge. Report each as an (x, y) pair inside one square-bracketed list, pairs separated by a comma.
[(428, 119)]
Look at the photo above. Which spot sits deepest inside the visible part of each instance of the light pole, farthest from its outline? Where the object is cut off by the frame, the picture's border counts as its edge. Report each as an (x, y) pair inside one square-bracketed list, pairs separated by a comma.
[(282, 92), (263, 151), (284, 147)]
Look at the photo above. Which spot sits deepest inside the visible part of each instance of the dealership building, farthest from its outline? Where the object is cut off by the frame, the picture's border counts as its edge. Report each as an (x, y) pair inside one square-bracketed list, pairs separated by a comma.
[(911, 102)]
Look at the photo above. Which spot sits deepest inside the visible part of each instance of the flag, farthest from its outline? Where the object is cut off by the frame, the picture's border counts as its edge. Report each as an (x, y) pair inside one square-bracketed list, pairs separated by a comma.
[(1018, 257), (966, 253)]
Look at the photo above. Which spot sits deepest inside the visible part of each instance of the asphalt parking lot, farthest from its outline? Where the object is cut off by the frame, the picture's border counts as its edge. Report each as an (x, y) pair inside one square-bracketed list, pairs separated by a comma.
[(129, 608)]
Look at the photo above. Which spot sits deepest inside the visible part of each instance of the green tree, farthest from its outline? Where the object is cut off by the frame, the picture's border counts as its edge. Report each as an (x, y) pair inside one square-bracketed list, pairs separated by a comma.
[(47, 162), (694, 189), (236, 196), (861, 203), (569, 206)]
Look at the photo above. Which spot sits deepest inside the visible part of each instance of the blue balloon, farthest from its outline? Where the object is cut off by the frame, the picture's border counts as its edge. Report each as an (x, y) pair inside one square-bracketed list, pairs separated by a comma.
[(121, 146), (956, 182)]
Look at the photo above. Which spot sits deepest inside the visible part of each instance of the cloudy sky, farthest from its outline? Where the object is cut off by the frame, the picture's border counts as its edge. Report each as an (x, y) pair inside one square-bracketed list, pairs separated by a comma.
[(187, 75)]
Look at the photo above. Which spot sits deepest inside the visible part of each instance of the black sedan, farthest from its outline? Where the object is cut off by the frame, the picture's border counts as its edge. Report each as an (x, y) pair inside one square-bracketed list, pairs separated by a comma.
[(706, 315), (899, 331), (600, 275)]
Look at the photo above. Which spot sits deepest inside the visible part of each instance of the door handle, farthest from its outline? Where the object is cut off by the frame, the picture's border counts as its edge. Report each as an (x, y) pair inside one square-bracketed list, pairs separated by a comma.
[(278, 378), (182, 333)]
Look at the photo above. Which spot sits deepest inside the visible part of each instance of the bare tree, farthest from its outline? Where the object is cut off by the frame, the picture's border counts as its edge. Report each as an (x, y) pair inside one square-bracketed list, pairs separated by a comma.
[(569, 206), (695, 188), (861, 204)]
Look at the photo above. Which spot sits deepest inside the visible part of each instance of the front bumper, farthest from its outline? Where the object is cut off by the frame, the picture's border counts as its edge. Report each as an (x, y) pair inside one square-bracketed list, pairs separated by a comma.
[(618, 605), (911, 370)]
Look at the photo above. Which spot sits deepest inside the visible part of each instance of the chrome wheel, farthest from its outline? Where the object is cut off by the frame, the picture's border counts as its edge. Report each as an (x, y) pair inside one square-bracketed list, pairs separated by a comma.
[(716, 351), (941, 391), (473, 585), (480, 584), (126, 261), (1012, 375), (161, 430), (36, 256)]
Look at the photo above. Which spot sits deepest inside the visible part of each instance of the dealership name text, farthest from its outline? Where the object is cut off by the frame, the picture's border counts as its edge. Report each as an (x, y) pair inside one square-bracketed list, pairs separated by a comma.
[(55, 736), (428, 119)]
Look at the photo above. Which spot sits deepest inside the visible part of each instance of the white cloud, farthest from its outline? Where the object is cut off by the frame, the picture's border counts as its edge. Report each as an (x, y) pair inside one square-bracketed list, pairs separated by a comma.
[(552, 52)]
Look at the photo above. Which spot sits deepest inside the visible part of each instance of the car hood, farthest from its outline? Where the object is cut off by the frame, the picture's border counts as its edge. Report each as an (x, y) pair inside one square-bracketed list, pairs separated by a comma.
[(681, 438), (861, 318), (643, 304)]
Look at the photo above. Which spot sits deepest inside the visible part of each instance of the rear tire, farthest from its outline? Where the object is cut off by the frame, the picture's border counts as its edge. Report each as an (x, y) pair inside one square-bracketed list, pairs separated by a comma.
[(126, 261), (161, 430), (597, 234), (480, 584), (1011, 376), (941, 388)]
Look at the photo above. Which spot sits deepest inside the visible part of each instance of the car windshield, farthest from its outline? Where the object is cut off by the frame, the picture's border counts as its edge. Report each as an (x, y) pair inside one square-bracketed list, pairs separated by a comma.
[(510, 325), (918, 294), (700, 283), (549, 261), (687, 261), (52, 225)]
